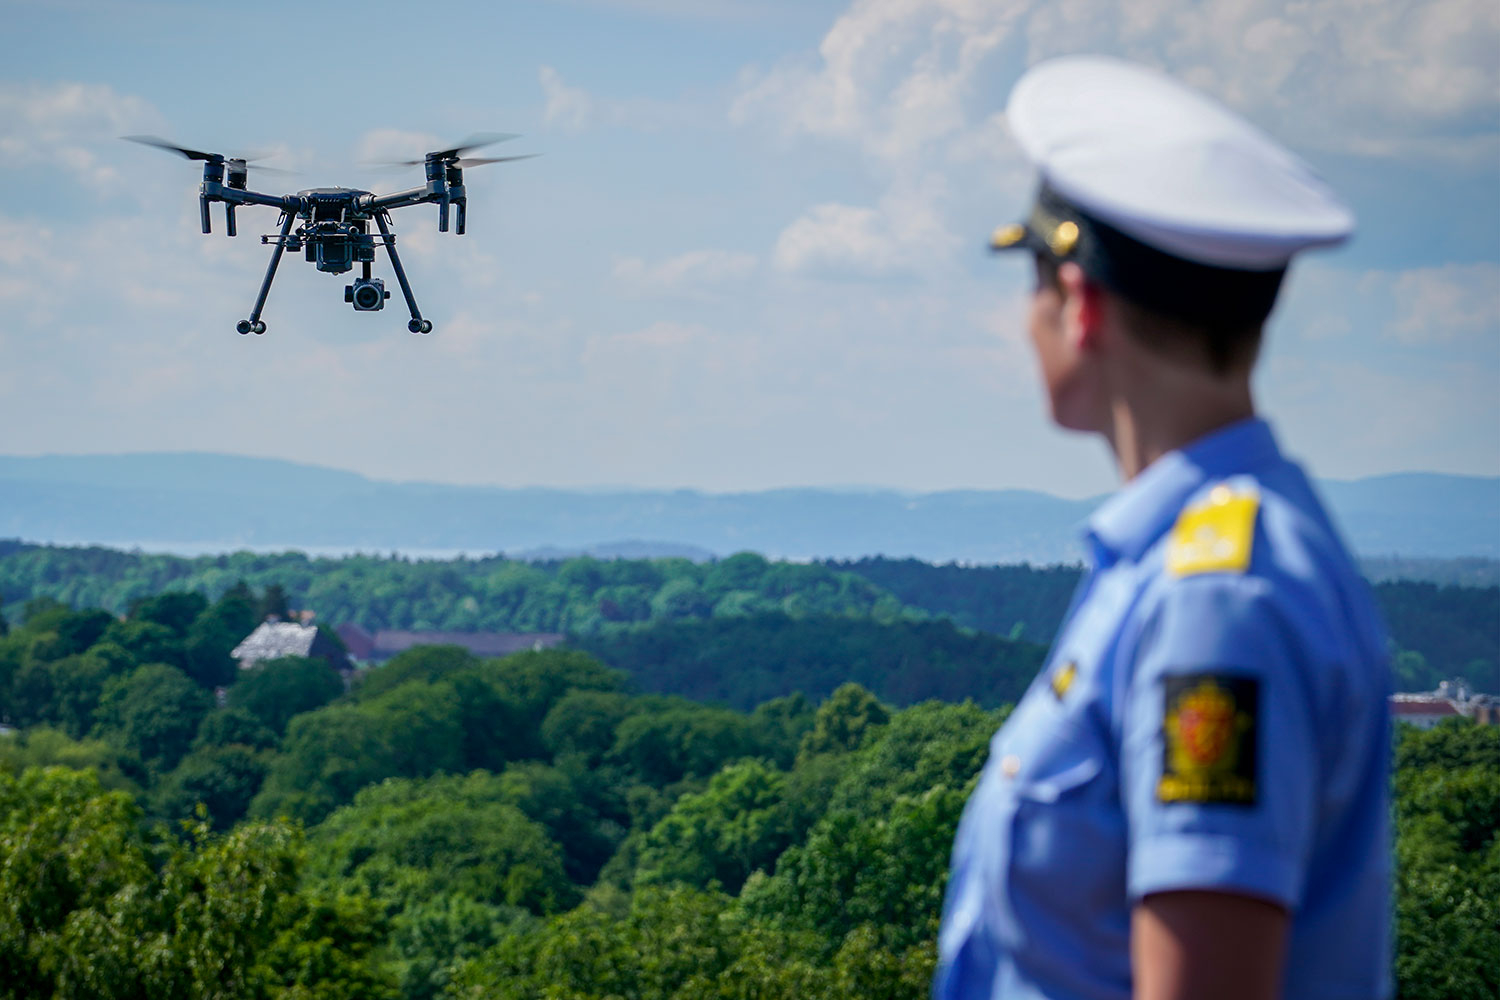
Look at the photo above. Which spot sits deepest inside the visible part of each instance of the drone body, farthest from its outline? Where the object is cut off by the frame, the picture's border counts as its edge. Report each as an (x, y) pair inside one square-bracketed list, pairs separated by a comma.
[(333, 223)]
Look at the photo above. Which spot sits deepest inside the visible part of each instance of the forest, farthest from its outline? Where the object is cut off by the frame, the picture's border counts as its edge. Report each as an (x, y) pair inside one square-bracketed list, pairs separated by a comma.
[(1440, 631), (622, 817)]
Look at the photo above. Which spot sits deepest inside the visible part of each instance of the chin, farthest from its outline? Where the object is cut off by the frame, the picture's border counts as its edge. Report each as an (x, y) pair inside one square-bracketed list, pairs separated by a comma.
[(1068, 419)]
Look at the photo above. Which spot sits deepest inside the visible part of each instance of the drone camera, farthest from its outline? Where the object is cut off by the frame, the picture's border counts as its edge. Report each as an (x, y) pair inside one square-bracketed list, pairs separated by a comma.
[(366, 294)]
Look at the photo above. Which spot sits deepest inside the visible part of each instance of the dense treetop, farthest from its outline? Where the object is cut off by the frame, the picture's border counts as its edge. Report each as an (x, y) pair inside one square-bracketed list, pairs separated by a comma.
[(546, 825), (1440, 631)]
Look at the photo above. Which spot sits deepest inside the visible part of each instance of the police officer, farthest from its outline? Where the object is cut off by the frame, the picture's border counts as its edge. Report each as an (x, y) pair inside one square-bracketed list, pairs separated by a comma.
[(1191, 799)]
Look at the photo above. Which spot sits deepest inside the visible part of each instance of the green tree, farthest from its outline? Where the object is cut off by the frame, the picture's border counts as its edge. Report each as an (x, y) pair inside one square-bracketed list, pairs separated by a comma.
[(557, 798), (146, 642), (154, 711), (432, 937), (584, 722), (173, 609), (420, 663), (41, 746), (76, 685), (91, 907), (681, 598), (276, 690), (272, 604), (223, 779), (737, 825), (680, 739), (227, 726), (328, 947), (213, 635), (843, 722), (326, 757), (406, 841), (78, 630)]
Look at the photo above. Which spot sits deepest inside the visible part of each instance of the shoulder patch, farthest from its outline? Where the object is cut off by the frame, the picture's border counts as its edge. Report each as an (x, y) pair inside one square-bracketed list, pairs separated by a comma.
[(1214, 535), (1209, 728)]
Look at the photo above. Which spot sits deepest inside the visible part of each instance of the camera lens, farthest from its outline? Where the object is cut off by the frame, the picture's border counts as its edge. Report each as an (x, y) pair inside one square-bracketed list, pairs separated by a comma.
[(367, 297)]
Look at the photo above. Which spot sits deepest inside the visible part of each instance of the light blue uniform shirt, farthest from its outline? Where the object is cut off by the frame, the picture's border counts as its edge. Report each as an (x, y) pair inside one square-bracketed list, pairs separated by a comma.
[(1220, 729)]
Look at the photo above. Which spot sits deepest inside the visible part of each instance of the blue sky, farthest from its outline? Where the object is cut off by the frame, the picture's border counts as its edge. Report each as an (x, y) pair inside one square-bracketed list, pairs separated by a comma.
[(750, 256)]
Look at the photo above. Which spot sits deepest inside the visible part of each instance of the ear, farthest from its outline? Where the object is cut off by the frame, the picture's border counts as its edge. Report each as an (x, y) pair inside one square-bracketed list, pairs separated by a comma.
[(1083, 305)]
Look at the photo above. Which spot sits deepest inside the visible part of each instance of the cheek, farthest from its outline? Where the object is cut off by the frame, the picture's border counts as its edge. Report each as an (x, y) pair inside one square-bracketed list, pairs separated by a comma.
[(1045, 326), (1060, 366)]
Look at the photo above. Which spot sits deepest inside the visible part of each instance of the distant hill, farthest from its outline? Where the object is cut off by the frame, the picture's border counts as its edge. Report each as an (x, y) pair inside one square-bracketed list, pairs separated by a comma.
[(206, 502)]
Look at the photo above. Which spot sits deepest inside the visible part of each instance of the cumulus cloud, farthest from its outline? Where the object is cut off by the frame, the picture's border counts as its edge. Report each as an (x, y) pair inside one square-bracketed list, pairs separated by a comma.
[(567, 107), (385, 145), (1443, 304), (1413, 78), (691, 273), (891, 75), (1451, 307), (1405, 78), (571, 108), (66, 124), (904, 234)]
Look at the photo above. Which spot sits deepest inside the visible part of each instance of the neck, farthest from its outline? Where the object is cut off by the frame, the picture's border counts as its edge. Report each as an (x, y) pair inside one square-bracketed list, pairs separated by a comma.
[(1165, 407)]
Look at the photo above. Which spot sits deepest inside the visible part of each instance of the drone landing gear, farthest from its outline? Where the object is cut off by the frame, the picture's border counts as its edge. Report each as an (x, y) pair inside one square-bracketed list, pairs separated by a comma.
[(253, 324), (417, 324)]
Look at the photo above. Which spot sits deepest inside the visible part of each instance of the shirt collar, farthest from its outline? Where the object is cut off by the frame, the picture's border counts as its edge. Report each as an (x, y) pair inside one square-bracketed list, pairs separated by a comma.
[(1128, 523)]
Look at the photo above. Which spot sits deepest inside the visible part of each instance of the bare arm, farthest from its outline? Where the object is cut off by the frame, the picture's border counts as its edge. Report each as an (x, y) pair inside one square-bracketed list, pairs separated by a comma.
[(1188, 945)]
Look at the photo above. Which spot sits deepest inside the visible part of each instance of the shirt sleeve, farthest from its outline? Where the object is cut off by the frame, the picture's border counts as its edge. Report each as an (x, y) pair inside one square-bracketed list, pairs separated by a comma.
[(1218, 765)]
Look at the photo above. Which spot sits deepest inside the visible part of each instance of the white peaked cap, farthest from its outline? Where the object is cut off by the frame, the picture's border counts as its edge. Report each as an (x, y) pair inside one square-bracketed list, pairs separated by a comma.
[(1170, 167)]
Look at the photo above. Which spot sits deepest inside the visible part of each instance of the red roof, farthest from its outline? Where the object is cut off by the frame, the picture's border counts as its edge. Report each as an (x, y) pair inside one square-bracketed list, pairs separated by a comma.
[(1427, 706)]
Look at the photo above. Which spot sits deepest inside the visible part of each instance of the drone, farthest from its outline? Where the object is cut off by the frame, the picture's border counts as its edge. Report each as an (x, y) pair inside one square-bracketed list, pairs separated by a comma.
[(333, 223)]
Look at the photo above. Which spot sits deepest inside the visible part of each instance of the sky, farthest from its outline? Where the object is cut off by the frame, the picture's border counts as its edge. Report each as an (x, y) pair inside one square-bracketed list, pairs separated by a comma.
[(750, 254)]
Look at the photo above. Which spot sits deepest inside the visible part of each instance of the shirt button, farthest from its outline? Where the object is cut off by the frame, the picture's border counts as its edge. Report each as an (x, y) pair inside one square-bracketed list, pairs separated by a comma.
[(1010, 765)]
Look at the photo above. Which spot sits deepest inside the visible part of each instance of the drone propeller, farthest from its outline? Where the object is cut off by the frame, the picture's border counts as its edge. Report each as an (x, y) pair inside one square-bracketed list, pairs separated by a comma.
[(476, 141), (479, 161), (259, 168), (198, 154), (172, 147)]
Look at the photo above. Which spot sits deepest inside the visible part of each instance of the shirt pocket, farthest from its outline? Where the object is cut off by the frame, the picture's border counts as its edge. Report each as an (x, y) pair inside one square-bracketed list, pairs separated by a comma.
[(1065, 868)]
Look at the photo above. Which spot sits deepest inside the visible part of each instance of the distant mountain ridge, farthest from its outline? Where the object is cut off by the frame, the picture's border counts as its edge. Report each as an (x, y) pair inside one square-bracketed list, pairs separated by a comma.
[(206, 502)]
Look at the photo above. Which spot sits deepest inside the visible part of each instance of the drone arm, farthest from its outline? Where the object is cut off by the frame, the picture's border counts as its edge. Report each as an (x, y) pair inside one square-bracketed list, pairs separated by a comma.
[(287, 219), (401, 199), (390, 249), (231, 196), (213, 191)]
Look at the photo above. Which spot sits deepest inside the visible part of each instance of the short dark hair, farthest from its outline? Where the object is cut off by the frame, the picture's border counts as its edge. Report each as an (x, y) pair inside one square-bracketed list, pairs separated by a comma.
[(1225, 346)]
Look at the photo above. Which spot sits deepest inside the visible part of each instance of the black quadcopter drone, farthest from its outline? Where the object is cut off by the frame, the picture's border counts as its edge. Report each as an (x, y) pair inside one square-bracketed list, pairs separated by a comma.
[(335, 222)]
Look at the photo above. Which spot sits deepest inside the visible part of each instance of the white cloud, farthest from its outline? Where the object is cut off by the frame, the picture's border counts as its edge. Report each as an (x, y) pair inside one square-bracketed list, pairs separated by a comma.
[(1408, 78), (1452, 307), (690, 273), (1405, 78), (66, 124), (904, 234), (567, 107), (1444, 304), (893, 76), (387, 145)]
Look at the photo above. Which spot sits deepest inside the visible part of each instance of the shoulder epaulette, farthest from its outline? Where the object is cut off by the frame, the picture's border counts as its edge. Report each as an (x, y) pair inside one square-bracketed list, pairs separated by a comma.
[(1215, 534)]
